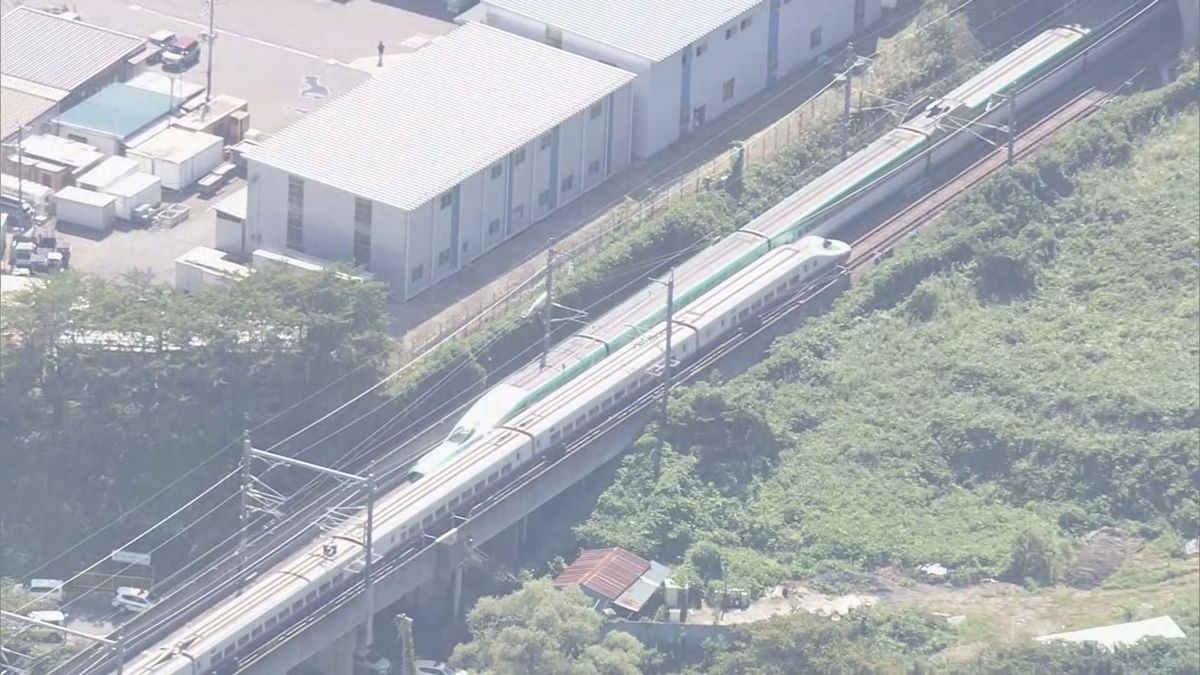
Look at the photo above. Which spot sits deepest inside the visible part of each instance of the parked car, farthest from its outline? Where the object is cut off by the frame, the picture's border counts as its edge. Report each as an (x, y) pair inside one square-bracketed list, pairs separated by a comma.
[(133, 599), (158, 41), (181, 54)]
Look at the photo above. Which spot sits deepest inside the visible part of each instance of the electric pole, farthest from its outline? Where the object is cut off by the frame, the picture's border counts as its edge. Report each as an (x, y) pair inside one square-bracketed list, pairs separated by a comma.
[(368, 563), (846, 98), (211, 37), (548, 308), (666, 392)]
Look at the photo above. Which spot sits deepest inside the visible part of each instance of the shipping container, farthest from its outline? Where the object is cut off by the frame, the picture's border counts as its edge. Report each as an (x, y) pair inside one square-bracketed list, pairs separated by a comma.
[(134, 190), (93, 210), (179, 157)]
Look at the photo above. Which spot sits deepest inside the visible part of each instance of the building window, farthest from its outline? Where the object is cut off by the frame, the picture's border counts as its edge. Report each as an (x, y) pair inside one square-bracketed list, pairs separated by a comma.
[(596, 109), (447, 199), (494, 226), (700, 49), (544, 198), (746, 22), (417, 273), (362, 231), (730, 32), (295, 230), (698, 116), (295, 191), (295, 213), (727, 90), (593, 167), (814, 38), (518, 156), (443, 257), (568, 183), (518, 213), (546, 140), (497, 169)]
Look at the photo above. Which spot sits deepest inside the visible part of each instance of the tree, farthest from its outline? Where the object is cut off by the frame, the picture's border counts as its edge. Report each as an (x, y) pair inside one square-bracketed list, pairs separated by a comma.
[(539, 629)]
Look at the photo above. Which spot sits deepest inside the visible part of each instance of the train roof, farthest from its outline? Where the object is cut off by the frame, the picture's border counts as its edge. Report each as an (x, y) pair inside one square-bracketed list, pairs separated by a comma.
[(1043, 50)]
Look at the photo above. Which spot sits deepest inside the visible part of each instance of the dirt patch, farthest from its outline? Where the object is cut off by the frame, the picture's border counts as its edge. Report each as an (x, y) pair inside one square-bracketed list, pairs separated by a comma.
[(1101, 553)]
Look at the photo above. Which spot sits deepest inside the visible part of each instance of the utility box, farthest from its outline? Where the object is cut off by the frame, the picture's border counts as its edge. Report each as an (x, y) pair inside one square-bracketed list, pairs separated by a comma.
[(93, 210), (179, 157)]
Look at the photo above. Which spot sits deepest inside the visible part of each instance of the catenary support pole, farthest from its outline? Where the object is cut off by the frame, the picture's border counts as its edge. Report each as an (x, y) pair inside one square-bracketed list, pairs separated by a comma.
[(666, 393), (847, 97), (369, 563), (244, 513), (20, 164), (548, 308), (1012, 126)]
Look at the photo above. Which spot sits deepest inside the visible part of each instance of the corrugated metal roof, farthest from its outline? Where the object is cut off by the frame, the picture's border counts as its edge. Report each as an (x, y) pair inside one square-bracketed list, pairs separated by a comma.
[(652, 29), (18, 107), (59, 52), (608, 572), (635, 597), (439, 115), (118, 110), (1122, 634)]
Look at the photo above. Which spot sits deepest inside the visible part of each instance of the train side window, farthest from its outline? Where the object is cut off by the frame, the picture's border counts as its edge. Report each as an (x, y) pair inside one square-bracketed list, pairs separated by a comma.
[(324, 587), (441, 510), (506, 468), (244, 639), (427, 521), (454, 502), (555, 435), (796, 278), (494, 475), (594, 409), (271, 622), (310, 596), (479, 485), (256, 632), (296, 605)]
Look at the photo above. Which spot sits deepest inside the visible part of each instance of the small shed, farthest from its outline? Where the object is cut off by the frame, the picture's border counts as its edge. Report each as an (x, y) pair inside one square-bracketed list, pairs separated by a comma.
[(231, 224), (93, 210), (115, 116), (203, 266), (106, 173), (178, 156), (134, 190), (614, 577)]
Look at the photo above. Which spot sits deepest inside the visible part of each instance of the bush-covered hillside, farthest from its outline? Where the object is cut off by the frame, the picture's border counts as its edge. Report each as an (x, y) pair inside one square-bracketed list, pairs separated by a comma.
[(1024, 373)]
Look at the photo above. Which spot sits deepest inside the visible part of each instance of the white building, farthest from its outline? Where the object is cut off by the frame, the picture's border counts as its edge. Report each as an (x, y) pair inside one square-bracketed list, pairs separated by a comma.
[(441, 157), (694, 59)]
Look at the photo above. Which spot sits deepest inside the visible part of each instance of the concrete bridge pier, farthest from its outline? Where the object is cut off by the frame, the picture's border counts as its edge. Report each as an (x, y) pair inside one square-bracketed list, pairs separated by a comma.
[(337, 658)]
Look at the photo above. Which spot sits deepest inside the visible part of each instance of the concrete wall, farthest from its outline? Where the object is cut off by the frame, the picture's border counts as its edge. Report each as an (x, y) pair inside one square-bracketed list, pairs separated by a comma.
[(413, 250), (668, 93)]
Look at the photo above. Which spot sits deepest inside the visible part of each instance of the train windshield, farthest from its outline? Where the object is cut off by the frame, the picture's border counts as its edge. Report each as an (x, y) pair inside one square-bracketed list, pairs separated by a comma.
[(460, 435)]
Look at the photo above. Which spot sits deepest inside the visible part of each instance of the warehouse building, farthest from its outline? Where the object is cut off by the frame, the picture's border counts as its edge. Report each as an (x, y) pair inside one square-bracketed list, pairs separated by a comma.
[(58, 60), (441, 157), (694, 59)]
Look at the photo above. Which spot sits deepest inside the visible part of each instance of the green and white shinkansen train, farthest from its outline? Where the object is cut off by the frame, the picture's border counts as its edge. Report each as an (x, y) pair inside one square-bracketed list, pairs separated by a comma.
[(839, 196)]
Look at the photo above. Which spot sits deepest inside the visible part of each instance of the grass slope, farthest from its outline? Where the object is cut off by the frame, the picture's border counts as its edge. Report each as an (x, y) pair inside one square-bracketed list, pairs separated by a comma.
[(1028, 371)]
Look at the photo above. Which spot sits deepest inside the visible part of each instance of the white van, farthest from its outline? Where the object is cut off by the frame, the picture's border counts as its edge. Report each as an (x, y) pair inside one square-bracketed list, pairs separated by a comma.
[(133, 599), (48, 589)]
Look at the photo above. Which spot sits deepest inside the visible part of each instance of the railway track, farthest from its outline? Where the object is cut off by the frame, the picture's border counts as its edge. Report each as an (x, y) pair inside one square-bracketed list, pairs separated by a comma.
[(869, 248)]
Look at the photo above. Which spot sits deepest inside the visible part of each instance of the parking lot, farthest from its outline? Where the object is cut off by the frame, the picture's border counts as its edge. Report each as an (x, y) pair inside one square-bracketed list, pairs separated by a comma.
[(285, 57)]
